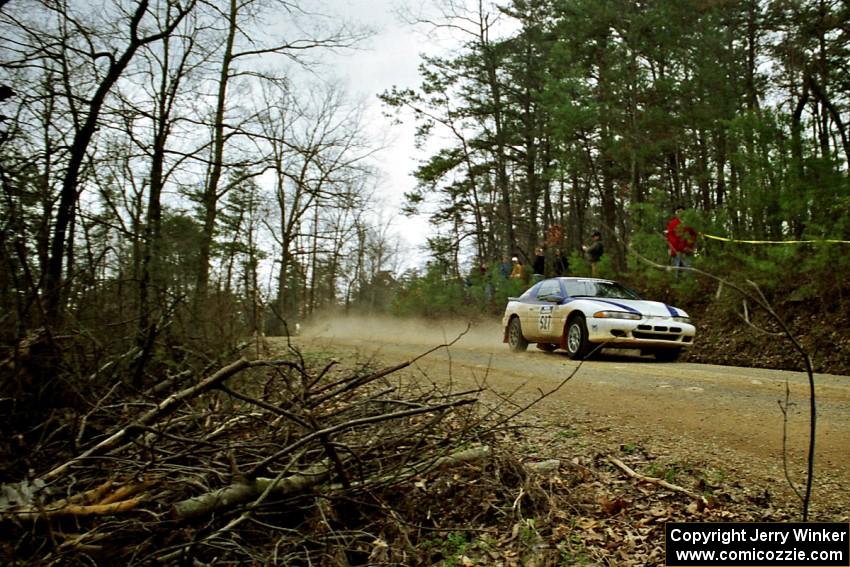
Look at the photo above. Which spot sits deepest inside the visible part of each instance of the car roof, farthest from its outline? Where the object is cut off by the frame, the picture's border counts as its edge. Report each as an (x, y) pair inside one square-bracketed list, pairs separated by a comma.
[(578, 279), (567, 279), (536, 286)]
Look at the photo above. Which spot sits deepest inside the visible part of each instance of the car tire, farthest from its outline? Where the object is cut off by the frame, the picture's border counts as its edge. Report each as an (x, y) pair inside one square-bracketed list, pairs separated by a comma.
[(577, 344), (516, 341), (668, 354)]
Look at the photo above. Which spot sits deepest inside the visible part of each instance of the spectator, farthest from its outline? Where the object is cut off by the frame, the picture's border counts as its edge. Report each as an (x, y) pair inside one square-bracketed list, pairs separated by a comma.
[(505, 267), (594, 251), (539, 265), (681, 239), (560, 265), (517, 272)]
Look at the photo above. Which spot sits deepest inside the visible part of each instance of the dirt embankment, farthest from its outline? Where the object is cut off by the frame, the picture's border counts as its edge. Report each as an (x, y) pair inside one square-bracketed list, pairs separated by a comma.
[(727, 339)]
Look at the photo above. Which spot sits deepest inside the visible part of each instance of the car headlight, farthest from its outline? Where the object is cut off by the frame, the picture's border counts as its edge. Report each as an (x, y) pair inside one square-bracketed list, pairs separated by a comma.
[(616, 315), (682, 319)]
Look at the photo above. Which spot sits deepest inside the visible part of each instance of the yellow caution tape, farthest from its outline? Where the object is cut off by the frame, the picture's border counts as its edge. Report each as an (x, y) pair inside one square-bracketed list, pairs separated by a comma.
[(775, 241)]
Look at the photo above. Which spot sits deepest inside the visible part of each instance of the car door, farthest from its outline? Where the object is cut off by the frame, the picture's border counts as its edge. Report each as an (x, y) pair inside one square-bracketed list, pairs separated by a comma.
[(528, 311), (548, 296)]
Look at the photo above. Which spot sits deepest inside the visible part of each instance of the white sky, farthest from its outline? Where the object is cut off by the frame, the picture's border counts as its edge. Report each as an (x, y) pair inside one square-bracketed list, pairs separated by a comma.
[(389, 58)]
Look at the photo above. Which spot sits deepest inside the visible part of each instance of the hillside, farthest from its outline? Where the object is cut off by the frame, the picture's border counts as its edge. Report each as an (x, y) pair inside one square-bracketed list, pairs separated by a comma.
[(726, 338)]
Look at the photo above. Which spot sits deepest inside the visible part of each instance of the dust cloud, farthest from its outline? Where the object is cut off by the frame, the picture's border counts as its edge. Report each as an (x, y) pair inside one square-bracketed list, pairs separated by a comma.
[(392, 330)]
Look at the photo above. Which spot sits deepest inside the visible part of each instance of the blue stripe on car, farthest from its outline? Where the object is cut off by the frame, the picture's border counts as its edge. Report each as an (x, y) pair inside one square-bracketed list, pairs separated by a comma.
[(672, 310), (620, 305)]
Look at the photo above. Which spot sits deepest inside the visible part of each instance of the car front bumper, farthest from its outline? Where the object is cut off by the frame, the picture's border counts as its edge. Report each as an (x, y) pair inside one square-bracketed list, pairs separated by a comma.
[(648, 332)]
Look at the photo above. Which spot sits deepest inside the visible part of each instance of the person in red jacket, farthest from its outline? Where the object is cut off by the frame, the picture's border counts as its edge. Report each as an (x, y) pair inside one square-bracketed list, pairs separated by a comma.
[(682, 239)]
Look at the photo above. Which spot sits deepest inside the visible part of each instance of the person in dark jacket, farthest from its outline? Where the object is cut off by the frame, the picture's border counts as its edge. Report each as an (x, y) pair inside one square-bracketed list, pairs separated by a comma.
[(594, 251), (560, 265), (539, 265)]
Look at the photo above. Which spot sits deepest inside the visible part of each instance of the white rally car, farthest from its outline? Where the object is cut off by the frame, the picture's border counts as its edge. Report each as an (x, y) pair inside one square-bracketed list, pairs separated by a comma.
[(582, 315)]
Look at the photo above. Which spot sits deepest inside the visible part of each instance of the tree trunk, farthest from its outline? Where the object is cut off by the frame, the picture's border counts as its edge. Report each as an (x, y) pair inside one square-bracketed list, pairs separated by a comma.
[(211, 190)]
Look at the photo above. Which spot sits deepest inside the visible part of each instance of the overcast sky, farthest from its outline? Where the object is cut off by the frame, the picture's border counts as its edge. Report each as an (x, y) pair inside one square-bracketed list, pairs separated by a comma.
[(389, 58)]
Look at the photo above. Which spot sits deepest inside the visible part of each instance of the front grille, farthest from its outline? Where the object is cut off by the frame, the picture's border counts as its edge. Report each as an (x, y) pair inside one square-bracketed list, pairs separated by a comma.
[(655, 336), (659, 328)]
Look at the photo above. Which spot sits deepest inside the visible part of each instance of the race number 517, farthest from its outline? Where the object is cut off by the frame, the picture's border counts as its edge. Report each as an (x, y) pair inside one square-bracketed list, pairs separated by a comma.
[(545, 321)]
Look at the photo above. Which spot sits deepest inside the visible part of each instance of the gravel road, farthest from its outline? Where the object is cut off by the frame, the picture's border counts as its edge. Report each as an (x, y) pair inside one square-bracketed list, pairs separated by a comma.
[(729, 418)]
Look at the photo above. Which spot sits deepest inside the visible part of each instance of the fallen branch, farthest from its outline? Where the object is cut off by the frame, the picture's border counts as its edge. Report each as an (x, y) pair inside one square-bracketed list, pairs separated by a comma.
[(262, 465), (240, 493), (163, 408), (262, 488), (471, 455), (236, 494), (352, 383), (745, 317), (89, 496), (123, 499), (657, 481)]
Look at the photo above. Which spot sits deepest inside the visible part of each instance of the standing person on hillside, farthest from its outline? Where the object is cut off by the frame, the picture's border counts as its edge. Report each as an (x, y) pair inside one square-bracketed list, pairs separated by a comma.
[(539, 264), (517, 272), (681, 239), (594, 251), (561, 265), (505, 267)]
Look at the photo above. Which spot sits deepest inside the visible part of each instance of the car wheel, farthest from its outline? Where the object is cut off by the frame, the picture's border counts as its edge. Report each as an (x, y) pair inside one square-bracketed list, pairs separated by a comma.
[(577, 343), (515, 339), (668, 354)]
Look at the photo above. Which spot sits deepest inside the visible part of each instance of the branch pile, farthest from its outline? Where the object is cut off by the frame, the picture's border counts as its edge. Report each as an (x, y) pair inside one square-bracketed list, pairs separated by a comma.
[(260, 459), (302, 462)]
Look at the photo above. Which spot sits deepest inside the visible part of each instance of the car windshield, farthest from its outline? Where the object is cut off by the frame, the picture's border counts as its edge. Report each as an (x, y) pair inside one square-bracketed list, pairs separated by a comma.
[(591, 288)]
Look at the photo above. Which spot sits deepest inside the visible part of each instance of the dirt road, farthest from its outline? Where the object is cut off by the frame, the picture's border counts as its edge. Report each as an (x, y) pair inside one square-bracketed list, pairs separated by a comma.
[(727, 418)]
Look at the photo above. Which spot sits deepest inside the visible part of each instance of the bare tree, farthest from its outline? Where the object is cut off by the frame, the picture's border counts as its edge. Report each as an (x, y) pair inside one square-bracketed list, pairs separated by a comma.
[(237, 47), (73, 48), (370, 266), (318, 150)]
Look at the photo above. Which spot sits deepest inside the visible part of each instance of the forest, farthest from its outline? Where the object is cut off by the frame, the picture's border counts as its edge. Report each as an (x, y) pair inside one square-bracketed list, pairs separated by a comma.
[(608, 115), (176, 180), (165, 171)]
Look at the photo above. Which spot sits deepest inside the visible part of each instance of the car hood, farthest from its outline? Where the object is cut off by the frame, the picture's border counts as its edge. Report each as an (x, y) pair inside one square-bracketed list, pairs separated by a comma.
[(642, 306)]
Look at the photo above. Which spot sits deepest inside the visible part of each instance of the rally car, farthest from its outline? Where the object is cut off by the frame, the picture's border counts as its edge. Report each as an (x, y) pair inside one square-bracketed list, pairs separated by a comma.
[(583, 315)]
